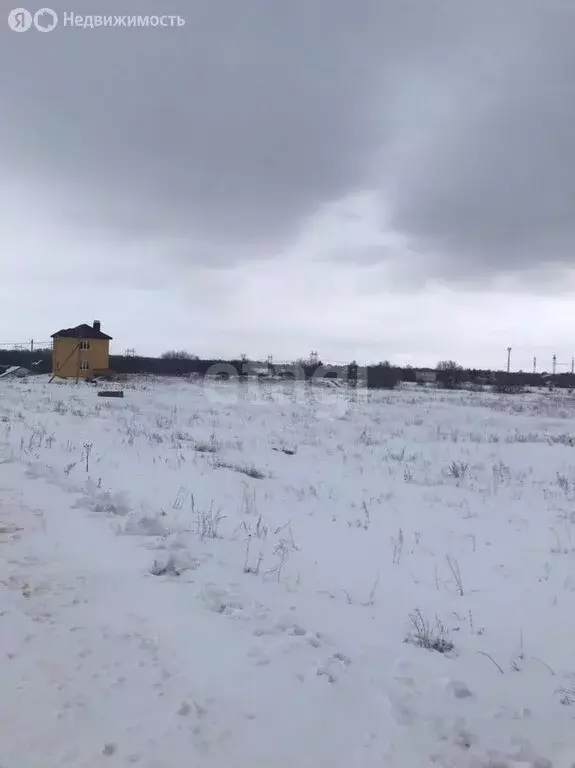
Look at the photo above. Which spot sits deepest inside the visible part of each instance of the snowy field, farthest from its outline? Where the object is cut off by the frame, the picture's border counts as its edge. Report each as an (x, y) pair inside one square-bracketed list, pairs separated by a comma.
[(270, 576)]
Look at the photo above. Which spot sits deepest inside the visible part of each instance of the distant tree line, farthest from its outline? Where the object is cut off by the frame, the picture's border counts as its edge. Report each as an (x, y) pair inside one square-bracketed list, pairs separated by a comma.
[(449, 374), (181, 354)]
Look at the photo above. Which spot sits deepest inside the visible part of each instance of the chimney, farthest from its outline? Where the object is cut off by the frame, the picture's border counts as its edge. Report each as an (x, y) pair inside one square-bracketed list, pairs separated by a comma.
[(96, 325)]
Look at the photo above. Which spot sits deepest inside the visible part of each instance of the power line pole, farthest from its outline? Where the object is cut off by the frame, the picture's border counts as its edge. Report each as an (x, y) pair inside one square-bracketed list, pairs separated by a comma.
[(554, 364), (534, 365), (572, 365), (31, 345), (509, 359)]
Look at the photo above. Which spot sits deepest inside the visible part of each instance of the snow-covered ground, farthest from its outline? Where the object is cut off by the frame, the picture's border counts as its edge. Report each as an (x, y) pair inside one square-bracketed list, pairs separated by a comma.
[(232, 577)]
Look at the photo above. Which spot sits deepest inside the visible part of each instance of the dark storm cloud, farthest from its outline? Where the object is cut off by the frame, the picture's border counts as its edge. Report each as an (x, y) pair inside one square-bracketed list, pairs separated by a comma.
[(238, 126), (487, 183)]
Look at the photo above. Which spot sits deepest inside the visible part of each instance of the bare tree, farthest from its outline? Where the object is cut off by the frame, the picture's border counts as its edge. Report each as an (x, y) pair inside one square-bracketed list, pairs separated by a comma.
[(179, 354), (448, 365)]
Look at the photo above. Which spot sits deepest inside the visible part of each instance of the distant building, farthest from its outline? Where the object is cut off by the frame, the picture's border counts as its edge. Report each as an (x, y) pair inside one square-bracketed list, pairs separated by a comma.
[(425, 377), (80, 352)]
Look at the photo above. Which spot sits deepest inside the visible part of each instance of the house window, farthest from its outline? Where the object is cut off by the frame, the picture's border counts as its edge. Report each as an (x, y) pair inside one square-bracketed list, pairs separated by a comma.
[(84, 345), (84, 365)]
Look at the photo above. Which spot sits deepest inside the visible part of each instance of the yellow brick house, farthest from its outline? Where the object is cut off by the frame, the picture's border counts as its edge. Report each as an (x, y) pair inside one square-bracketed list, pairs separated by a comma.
[(80, 352)]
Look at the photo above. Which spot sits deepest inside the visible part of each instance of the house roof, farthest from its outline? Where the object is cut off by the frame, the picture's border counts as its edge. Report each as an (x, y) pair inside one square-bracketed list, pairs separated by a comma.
[(83, 331)]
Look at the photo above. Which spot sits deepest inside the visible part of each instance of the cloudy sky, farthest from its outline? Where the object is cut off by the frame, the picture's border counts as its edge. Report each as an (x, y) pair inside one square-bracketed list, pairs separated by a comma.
[(373, 179)]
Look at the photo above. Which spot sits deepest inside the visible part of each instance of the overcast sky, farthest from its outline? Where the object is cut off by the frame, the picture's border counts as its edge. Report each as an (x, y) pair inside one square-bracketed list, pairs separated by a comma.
[(372, 179)]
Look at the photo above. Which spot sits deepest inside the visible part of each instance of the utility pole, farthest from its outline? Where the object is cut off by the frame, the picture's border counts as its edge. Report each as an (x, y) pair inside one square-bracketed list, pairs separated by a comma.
[(508, 359), (31, 345), (572, 365), (554, 364), (534, 365)]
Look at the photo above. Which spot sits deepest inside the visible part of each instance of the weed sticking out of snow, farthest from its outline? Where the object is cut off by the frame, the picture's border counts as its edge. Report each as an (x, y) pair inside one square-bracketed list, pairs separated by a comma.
[(245, 469), (432, 637), (207, 521), (567, 696)]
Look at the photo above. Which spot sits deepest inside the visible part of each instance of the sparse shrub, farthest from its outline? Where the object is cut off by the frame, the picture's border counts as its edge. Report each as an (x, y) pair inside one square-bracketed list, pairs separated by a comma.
[(432, 638), (183, 437), (561, 440), (366, 438), (259, 532), (501, 472), (245, 469), (363, 522), (530, 437), (205, 446), (207, 521), (252, 471), (175, 563), (162, 422), (559, 548), (168, 568), (458, 469), (567, 696), (282, 552)]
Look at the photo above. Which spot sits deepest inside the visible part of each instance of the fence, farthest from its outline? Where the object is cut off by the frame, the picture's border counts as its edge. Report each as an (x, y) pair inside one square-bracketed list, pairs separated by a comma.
[(25, 346), (375, 377), (41, 361)]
